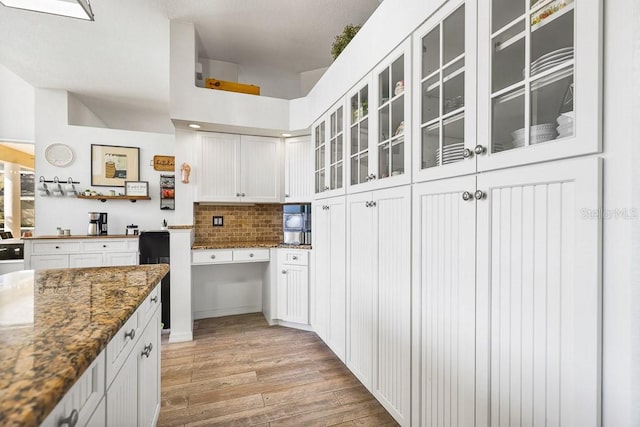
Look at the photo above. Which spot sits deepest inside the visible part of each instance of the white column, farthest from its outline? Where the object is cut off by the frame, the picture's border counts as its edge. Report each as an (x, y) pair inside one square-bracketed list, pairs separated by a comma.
[(180, 296), (12, 198)]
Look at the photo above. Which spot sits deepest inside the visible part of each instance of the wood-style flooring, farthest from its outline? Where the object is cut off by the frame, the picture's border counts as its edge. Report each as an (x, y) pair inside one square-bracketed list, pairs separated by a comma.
[(238, 371)]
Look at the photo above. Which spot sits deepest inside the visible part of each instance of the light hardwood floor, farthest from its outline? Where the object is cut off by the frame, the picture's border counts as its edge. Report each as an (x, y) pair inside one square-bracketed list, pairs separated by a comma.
[(238, 371)]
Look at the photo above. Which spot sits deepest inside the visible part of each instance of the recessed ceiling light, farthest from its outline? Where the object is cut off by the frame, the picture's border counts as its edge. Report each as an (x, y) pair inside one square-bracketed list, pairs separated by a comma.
[(80, 9), (286, 134), (194, 126)]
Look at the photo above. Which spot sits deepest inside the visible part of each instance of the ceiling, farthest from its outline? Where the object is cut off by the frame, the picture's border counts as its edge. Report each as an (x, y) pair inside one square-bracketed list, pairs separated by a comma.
[(123, 56)]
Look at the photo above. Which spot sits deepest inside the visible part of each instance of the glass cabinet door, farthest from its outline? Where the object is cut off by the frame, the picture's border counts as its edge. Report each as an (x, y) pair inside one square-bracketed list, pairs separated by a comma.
[(533, 76), (359, 136), (320, 156), (336, 142)]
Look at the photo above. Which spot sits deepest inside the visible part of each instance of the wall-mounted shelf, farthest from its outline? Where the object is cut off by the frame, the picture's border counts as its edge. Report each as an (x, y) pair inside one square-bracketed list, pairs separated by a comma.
[(103, 199)]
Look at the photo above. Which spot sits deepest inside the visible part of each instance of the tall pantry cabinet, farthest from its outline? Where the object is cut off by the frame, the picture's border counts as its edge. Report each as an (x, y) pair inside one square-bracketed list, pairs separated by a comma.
[(379, 295)]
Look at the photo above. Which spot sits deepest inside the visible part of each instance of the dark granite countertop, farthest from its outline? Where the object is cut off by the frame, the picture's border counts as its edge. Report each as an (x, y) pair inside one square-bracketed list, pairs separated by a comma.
[(54, 323)]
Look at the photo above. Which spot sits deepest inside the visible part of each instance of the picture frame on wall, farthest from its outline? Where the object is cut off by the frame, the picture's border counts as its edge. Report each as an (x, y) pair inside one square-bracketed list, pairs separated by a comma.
[(136, 188), (112, 165)]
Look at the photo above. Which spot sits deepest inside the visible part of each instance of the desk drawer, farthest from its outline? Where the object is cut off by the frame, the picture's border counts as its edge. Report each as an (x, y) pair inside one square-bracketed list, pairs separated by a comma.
[(111, 245), (251, 255), (294, 257), (211, 256)]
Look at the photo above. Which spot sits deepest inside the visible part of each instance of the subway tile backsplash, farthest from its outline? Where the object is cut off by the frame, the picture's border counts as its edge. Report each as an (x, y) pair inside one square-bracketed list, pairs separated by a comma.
[(254, 223)]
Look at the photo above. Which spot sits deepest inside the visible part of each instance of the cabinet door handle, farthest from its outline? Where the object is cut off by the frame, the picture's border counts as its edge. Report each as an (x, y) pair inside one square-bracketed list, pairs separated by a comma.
[(466, 196), (131, 334), (250, 255), (237, 194), (284, 271), (243, 195), (367, 205), (104, 246), (480, 195), (325, 189), (213, 257), (147, 350), (286, 195), (154, 299), (467, 154), (479, 149), (372, 204), (295, 258), (71, 420), (57, 247)]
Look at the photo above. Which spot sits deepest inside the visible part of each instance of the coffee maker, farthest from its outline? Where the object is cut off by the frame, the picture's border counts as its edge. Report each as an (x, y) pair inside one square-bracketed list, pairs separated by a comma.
[(97, 224)]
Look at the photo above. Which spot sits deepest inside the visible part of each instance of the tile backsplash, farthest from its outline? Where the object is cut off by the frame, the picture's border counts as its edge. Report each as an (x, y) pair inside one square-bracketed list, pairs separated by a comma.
[(253, 223)]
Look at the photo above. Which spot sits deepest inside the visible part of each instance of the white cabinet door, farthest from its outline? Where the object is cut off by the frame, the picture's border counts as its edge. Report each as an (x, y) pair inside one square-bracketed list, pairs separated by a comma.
[(298, 182), (362, 297), (148, 354), (121, 258), (85, 260), (40, 262), (293, 293), (444, 231), (539, 295), (328, 135), (218, 173), (329, 307), (392, 308), (99, 417), (260, 169), (122, 395)]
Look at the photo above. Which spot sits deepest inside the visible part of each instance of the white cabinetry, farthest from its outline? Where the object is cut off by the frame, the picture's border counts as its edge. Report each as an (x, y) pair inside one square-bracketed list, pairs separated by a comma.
[(235, 168), (65, 253), (293, 286), (298, 182), (379, 295), (328, 272), (328, 135)]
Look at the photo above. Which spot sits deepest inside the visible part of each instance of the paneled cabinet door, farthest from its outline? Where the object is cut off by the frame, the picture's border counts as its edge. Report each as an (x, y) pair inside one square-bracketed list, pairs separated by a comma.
[(122, 395), (260, 169), (361, 148), (539, 295), (328, 135), (121, 258), (444, 231), (391, 133), (444, 115), (85, 260), (329, 308), (148, 354), (293, 293), (539, 81), (298, 182), (218, 174), (39, 262)]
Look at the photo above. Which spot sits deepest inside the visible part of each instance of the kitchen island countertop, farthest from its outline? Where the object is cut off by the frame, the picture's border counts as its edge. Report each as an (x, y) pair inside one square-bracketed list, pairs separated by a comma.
[(54, 323)]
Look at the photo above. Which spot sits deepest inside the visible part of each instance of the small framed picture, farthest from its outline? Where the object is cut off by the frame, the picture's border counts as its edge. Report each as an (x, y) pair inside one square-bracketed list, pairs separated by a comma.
[(136, 188)]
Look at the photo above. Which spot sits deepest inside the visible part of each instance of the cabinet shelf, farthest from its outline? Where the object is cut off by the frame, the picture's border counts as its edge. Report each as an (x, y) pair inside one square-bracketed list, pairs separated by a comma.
[(103, 199)]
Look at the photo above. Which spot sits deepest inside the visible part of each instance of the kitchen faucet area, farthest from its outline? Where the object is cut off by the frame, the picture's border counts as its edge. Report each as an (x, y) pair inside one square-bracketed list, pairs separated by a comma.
[(293, 213)]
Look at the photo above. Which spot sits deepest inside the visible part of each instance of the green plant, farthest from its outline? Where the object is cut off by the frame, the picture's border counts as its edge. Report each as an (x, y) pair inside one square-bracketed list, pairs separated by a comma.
[(343, 39)]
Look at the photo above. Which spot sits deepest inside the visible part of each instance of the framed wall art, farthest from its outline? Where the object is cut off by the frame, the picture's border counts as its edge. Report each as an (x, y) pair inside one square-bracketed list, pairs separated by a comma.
[(112, 165), (136, 188)]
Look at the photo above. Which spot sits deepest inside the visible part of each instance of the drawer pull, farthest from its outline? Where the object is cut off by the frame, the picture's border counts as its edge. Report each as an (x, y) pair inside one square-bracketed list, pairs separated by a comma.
[(104, 246), (71, 420), (295, 258), (147, 350), (250, 255), (213, 257), (57, 247), (154, 299), (131, 334)]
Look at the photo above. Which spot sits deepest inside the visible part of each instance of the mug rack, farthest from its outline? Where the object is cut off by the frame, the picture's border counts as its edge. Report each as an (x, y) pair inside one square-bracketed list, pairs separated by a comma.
[(54, 187)]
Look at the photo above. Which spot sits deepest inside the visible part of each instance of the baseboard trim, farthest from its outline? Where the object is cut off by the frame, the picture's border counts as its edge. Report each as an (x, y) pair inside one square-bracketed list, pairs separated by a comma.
[(205, 314)]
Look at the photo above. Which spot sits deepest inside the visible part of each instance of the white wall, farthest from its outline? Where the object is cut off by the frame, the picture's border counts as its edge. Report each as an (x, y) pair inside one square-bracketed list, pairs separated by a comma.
[(219, 70), (308, 79), (80, 115), (51, 126), (273, 82), (16, 108)]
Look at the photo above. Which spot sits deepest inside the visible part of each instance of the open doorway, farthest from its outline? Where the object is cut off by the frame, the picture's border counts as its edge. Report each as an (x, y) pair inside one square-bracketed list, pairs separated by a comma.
[(17, 189)]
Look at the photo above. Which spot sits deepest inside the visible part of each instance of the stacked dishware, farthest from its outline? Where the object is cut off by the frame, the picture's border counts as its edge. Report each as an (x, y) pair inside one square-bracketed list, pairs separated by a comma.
[(551, 59), (565, 124), (450, 153), (537, 134)]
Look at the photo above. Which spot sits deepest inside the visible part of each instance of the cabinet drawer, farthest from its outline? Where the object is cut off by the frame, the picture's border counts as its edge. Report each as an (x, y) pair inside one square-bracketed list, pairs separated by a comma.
[(120, 346), (251, 255), (148, 306), (294, 257), (55, 247), (211, 256), (110, 245), (84, 397)]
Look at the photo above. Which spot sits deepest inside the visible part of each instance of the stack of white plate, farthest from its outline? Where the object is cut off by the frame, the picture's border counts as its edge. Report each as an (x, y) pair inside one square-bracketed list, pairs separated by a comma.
[(565, 124), (538, 133), (501, 146), (451, 153), (551, 59)]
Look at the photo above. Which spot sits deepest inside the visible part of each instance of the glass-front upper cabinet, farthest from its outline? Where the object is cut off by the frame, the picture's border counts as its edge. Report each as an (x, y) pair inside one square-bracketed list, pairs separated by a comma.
[(444, 111), (391, 138), (540, 68), (360, 156), (329, 142)]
